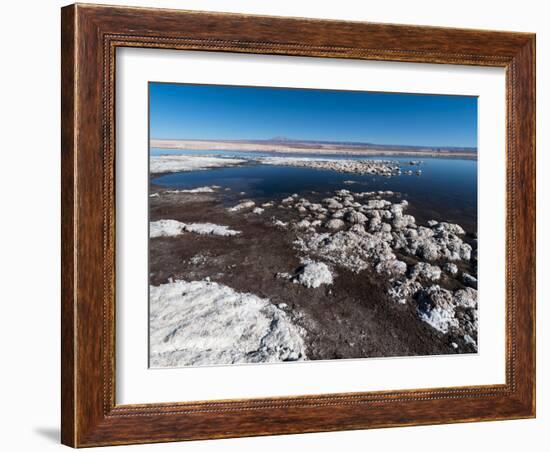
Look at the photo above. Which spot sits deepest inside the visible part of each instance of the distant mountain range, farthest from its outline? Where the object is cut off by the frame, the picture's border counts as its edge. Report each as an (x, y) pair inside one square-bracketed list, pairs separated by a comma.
[(359, 144), (282, 140)]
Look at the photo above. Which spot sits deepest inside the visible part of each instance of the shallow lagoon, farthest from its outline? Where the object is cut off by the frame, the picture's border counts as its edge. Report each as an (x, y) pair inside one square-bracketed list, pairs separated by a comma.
[(446, 189)]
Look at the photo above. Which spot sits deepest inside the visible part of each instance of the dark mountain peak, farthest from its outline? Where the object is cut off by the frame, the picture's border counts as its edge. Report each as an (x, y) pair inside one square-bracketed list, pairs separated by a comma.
[(279, 138)]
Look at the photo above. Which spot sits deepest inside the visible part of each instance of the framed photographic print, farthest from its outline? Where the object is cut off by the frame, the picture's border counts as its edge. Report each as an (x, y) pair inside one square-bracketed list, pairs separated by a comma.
[(281, 225)]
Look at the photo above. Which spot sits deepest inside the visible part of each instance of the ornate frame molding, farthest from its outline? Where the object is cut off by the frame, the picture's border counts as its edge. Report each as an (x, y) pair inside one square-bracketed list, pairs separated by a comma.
[(90, 37)]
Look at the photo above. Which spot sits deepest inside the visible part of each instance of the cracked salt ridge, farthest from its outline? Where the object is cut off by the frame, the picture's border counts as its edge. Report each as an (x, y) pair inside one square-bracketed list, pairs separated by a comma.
[(173, 228), (389, 229), (176, 163), (206, 323), (378, 167)]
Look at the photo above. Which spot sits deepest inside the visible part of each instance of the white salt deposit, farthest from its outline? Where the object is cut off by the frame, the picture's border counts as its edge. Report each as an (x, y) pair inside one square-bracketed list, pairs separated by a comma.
[(242, 205), (172, 228), (195, 190), (313, 274), (203, 323), (210, 229), (175, 163), (165, 228)]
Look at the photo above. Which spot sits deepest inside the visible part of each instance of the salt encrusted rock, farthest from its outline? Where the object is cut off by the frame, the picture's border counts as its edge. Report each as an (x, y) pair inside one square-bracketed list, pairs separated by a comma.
[(386, 215), (313, 274), (358, 229), (303, 224), (396, 210), (399, 222), (267, 204), (377, 204), (402, 290), (450, 312), (355, 217), (334, 224), (470, 340), (241, 206), (450, 268), (315, 207), (258, 210), (437, 243), (410, 220), (378, 227), (343, 192), (280, 224), (436, 307), (392, 267), (465, 252), (469, 280), (288, 200), (354, 250), (426, 271), (370, 213), (332, 203), (385, 227), (448, 227), (428, 251), (374, 224), (466, 298)]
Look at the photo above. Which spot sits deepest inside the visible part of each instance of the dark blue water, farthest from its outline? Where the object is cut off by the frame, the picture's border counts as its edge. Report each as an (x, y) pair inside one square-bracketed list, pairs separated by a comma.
[(446, 189)]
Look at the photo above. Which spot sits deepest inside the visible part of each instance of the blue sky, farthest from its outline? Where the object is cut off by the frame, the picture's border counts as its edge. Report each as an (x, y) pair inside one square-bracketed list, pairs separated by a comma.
[(248, 113)]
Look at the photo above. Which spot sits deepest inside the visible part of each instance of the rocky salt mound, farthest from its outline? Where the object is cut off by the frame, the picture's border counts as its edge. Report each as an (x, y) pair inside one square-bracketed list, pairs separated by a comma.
[(362, 231), (312, 274), (173, 228), (450, 312), (204, 323), (375, 167)]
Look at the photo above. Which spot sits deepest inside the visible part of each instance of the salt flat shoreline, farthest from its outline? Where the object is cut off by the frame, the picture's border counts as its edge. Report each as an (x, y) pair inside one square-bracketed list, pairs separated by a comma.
[(307, 299), (308, 148)]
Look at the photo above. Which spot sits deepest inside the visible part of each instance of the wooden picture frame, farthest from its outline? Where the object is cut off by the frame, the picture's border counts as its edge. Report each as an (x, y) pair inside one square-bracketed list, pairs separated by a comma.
[(90, 36)]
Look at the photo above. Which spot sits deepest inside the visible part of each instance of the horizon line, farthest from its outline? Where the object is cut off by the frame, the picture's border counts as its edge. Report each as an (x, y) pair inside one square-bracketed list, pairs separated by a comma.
[(302, 140)]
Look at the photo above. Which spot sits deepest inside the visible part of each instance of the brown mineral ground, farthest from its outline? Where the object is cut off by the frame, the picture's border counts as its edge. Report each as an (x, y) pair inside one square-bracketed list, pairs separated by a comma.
[(352, 318)]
